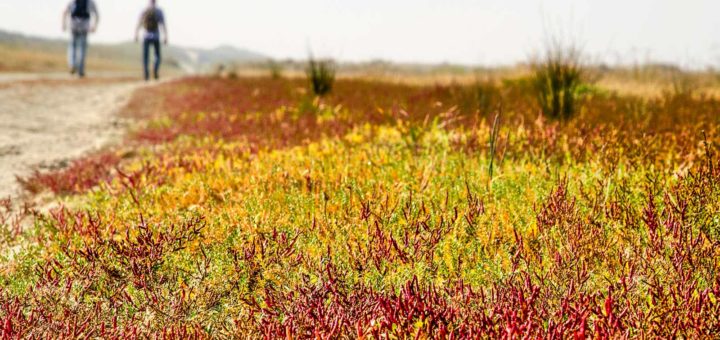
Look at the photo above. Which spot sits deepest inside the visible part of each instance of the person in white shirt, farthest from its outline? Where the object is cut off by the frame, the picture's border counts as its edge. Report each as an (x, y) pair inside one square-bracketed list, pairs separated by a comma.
[(84, 19)]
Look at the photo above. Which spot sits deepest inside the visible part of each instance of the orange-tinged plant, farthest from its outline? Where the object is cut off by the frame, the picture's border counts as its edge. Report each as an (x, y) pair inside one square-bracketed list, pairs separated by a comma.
[(249, 209)]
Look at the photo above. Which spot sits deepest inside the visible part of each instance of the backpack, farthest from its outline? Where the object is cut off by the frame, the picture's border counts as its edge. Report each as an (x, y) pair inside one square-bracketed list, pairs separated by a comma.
[(151, 20), (80, 10)]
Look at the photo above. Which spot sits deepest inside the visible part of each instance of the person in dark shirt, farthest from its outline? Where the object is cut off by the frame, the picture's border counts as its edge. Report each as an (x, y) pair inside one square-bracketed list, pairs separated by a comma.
[(151, 20)]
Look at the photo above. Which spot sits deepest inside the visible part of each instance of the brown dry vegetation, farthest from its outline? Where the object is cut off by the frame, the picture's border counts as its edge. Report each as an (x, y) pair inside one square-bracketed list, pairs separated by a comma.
[(18, 59)]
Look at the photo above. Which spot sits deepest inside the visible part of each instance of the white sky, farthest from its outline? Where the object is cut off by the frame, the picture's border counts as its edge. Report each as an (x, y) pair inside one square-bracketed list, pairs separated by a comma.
[(488, 32)]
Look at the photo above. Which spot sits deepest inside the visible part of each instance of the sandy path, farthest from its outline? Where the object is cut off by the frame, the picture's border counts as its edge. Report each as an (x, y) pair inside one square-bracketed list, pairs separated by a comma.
[(45, 125)]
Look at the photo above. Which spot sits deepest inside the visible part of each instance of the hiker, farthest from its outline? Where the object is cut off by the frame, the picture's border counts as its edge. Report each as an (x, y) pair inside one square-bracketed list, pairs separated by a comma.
[(151, 20), (80, 13)]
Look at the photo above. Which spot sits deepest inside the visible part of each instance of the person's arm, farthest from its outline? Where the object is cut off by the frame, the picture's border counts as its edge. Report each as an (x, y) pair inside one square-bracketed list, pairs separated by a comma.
[(165, 33), (139, 27), (96, 15), (164, 28), (66, 15)]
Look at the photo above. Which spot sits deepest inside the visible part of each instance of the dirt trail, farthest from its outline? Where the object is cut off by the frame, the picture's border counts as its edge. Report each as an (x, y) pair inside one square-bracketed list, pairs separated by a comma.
[(45, 124)]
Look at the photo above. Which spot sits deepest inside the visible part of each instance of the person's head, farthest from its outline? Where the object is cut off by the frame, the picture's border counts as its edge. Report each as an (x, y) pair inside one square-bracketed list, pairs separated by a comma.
[(153, 3)]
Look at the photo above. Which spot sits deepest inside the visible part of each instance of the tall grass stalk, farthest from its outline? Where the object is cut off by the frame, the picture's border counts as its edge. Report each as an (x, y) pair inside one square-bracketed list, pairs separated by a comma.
[(321, 74), (493, 145), (557, 76), (275, 68)]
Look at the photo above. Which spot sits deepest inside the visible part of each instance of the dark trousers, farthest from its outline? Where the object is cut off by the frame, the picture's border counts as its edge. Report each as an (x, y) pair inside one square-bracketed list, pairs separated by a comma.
[(155, 44)]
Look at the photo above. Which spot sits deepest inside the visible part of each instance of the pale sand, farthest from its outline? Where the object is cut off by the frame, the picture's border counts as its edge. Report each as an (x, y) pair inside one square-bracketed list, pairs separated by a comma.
[(44, 125)]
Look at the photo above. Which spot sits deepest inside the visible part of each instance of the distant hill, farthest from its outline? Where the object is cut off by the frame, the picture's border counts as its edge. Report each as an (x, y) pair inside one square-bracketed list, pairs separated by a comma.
[(50, 53), (196, 59)]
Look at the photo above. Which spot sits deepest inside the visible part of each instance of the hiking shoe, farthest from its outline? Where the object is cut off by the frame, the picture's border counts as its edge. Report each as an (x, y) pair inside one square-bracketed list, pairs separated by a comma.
[(73, 70)]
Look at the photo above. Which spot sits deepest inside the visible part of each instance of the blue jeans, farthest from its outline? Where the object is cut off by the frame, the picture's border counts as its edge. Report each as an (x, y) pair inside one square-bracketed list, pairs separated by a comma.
[(77, 52), (155, 44)]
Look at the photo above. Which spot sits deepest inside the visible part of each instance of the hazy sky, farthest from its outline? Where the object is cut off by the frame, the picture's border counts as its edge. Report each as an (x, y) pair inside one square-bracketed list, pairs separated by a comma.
[(462, 31)]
